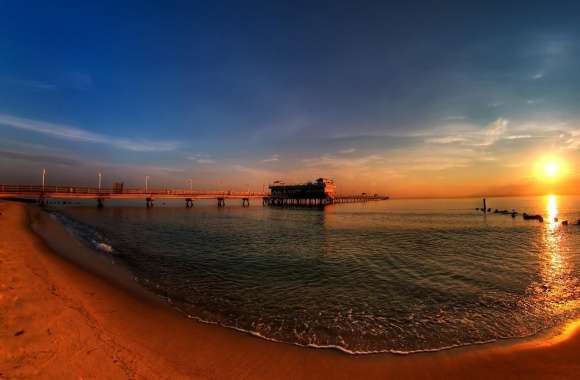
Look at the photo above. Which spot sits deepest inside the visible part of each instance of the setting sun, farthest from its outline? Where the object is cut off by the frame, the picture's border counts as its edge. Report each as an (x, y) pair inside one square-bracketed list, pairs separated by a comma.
[(551, 169)]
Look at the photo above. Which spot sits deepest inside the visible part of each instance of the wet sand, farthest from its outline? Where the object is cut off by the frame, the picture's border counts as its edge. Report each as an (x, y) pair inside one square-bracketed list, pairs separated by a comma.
[(59, 321)]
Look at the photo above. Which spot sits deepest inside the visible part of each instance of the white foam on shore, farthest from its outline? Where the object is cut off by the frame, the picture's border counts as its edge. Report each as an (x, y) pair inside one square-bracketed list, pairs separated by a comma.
[(104, 247), (340, 348)]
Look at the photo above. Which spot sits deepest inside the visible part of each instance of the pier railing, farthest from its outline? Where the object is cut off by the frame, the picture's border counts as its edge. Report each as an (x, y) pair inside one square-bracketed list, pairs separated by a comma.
[(95, 191)]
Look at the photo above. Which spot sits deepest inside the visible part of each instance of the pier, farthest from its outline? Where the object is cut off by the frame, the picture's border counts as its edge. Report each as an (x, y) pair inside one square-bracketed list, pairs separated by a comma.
[(307, 198), (149, 196)]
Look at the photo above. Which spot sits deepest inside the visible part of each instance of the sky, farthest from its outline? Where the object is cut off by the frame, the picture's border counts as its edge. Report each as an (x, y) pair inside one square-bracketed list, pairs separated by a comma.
[(401, 98)]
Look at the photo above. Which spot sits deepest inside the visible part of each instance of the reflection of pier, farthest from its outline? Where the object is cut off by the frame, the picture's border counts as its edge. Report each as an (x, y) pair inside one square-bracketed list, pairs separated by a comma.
[(319, 193)]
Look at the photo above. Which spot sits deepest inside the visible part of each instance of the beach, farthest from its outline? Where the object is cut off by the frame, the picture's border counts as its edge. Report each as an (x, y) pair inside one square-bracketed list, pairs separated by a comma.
[(58, 320)]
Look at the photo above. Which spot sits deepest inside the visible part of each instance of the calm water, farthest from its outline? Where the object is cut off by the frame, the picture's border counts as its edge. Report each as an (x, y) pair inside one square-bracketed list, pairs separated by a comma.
[(396, 276)]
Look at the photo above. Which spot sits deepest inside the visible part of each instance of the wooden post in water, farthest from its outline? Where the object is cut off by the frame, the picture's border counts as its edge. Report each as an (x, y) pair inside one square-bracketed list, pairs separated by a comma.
[(484, 205)]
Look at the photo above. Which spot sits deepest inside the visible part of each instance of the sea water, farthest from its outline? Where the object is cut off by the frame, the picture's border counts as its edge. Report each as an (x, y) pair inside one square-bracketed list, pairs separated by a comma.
[(391, 276)]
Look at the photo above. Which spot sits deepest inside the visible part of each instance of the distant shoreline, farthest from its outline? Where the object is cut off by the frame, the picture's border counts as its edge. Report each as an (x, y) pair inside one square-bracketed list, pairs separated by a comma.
[(75, 323)]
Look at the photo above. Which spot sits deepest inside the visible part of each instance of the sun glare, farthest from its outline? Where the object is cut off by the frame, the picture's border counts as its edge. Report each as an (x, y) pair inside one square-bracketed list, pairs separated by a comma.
[(550, 169)]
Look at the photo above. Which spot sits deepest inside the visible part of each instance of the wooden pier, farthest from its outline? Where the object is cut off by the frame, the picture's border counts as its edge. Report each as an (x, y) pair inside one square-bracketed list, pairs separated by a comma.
[(42, 194)]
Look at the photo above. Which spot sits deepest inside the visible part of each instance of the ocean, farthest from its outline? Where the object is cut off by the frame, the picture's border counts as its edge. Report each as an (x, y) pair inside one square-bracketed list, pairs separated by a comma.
[(397, 276)]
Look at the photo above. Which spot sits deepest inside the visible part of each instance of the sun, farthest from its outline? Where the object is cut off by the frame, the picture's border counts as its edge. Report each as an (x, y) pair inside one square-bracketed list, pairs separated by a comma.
[(551, 169)]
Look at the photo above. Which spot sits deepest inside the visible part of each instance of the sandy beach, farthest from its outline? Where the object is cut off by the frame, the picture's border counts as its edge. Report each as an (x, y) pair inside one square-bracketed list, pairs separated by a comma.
[(59, 321)]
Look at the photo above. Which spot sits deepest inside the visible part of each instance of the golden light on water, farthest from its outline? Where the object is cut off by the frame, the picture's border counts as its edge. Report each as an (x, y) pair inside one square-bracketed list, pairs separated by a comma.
[(552, 209), (552, 236), (555, 269)]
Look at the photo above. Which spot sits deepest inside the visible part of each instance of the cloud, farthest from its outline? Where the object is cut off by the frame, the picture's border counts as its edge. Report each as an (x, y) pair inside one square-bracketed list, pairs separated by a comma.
[(39, 158), (537, 76), (573, 142), (254, 172), (32, 84), (273, 158), (494, 131), (201, 159), (445, 140), (66, 132), (437, 163), (470, 135), (331, 161), (518, 137), (347, 151), (205, 161)]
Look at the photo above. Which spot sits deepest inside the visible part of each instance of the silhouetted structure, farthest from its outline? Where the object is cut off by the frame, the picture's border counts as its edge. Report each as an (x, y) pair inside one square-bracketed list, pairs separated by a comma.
[(312, 194)]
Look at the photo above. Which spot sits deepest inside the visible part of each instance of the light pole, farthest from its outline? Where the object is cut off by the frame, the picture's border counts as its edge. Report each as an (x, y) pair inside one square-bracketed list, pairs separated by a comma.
[(190, 185), (146, 183), (43, 178), (100, 176)]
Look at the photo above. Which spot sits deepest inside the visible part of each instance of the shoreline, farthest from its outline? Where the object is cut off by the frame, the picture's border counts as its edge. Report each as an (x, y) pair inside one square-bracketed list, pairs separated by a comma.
[(77, 324)]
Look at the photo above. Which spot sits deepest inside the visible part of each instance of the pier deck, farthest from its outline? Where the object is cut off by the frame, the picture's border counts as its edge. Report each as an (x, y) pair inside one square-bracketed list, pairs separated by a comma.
[(43, 193)]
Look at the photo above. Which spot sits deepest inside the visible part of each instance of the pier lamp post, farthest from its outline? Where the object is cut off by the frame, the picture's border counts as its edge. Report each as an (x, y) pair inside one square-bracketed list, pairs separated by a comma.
[(146, 183), (43, 178), (190, 185), (100, 177)]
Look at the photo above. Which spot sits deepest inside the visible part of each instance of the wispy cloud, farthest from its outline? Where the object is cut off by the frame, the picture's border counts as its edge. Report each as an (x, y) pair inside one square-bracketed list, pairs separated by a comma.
[(71, 133), (39, 158), (533, 101), (347, 151), (273, 158), (573, 141), (470, 135), (538, 75), (201, 159), (455, 117), (31, 84), (445, 140), (331, 161)]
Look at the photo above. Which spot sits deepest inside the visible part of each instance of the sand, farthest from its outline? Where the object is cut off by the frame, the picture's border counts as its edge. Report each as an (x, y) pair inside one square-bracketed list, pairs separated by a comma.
[(59, 321)]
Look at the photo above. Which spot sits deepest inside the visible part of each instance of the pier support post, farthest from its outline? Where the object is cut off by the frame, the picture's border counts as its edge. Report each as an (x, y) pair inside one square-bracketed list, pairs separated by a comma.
[(221, 202), (149, 202), (484, 206), (100, 202), (245, 202), (188, 203)]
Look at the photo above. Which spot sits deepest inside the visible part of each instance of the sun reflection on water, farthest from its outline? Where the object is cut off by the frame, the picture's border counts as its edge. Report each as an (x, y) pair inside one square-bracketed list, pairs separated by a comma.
[(552, 235), (552, 209), (555, 273)]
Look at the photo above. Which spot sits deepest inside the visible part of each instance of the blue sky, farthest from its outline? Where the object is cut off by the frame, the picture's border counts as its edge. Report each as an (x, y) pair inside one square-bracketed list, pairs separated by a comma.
[(381, 96)]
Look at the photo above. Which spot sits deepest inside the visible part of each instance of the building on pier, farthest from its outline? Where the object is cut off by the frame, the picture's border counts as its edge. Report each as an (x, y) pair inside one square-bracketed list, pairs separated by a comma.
[(319, 192)]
